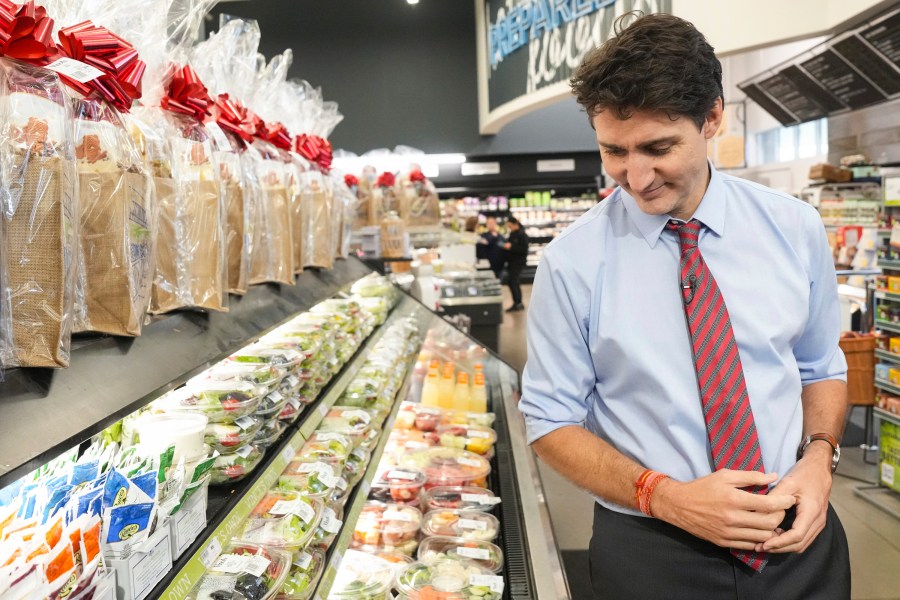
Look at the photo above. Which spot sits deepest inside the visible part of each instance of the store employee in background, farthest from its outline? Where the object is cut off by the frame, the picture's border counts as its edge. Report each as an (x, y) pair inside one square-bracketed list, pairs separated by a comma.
[(683, 353), (516, 252)]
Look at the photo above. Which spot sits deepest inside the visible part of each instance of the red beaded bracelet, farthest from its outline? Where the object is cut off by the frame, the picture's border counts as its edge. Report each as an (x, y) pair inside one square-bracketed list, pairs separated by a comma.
[(644, 487)]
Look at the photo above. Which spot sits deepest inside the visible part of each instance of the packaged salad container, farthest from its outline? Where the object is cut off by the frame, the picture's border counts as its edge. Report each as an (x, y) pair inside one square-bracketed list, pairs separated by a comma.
[(228, 437), (459, 497), (373, 286), (304, 575), (219, 401), (355, 466), (268, 434), (448, 466), (282, 358), (448, 579), (282, 519), (322, 444), (291, 410), (362, 577), (329, 526), (229, 468), (467, 524), (316, 478), (393, 527), (270, 406), (398, 484), (261, 374), (482, 553), (246, 571), (353, 422), (362, 392), (308, 341), (473, 438)]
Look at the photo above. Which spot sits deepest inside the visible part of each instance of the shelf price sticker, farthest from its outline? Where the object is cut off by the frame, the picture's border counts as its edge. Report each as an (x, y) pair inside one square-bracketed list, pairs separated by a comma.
[(288, 453), (469, 462), (476, 553), (480, 499), (323, 409), (492, 582), (473, 524), (211, 553), (887, 473)]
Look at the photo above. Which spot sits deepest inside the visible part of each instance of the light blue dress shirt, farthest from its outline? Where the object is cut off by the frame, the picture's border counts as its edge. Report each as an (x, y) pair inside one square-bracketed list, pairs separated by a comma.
[(608, 345)]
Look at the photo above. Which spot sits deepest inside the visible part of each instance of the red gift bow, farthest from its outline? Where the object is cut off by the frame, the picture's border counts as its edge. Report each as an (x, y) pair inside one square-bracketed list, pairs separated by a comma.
[(314, 149), (417, 177), (350, 180), (277, 134), (120, 83), (234, 117), (25, 32), (325, 155), (187, 95), (386, 179)]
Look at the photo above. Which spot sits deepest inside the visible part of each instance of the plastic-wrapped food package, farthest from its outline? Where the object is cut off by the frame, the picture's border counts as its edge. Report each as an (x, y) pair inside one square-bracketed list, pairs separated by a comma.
[(191, 271), (419, 203), (273, 255), (117, 223), (362, 190), (38, 228), (384, 199), (294, 182), (317, 214)]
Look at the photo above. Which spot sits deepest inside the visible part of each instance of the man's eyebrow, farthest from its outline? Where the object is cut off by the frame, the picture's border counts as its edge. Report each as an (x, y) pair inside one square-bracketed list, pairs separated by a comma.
[(648, 144)]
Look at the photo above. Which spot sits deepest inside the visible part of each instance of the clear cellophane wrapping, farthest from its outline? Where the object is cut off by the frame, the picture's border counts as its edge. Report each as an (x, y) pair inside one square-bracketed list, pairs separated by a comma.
[(38, 224), (384, 201), (347, 204), (360, 217), (295, 170), (318, 248), (238, 207), (273, 251), (419, 204), (117, 217), (190, 266)]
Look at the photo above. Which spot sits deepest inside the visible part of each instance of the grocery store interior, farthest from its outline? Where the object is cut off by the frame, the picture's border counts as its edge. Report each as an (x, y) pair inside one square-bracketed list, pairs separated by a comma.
[(259, 336)]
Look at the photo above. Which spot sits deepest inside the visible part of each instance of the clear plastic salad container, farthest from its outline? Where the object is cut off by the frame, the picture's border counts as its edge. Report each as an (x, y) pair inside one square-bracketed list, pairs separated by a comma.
[(310, 478), (271, 406), (305, 572), (268, 434), (393, 527), (244, 570), (448, 579), (427, 417), (473, 438), (448, 466), (283, 520), (362, 576), (307, 341), (283, 358), (262, 374), (229, 468), (355, 466), (362, 392), (467, 524), (327, 444), (484, 554), (372, 285), (291, 411), (228, 437), (351, 421), (220, 401), (398, 484), (344, 306), (459, 497), (329, 526)]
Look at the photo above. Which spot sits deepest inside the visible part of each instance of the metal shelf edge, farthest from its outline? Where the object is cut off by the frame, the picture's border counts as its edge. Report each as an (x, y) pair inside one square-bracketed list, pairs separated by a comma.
[(887, 326)]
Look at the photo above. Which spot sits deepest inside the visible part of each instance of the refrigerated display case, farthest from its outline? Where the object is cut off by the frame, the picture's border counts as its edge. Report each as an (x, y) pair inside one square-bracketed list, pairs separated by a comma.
[(479, 296), (46, 413)]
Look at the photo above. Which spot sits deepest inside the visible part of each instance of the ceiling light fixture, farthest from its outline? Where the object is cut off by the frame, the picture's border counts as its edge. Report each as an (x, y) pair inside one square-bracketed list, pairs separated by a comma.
[(412, 1)]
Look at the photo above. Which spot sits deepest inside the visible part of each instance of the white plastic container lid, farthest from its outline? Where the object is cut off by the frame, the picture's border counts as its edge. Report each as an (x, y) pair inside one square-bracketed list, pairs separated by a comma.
[(184, 430)]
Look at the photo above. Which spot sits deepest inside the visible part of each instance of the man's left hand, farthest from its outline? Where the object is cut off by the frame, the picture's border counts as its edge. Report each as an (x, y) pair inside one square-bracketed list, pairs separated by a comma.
[(810, 482)]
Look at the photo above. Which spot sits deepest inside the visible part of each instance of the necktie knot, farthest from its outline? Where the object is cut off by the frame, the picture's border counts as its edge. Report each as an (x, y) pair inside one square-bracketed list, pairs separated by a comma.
[(688, 233)]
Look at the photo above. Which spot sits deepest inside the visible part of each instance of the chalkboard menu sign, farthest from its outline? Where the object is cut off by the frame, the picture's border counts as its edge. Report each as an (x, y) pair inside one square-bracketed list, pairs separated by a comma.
[(786, 92), (869, 63), (844, 82), (885, 37), (770, 106)]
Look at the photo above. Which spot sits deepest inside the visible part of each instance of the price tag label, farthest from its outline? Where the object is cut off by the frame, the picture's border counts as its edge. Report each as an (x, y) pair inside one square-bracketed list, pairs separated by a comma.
[(293, 380), (361, 454), (480, 499), (211, 553), (448, 292), (244, 451), (328, 436), (358, 414), (294, 507), (469, 462), (303, 561), (276, 397), (397, 515), (476, 433), (342, 484), (235, 563), (473, 291), (415, 445), (245, 423), (492, 582), (472, 524), (288, 453), (330, 522), (476, 553), (294, 403), (405, 475), (323, 410), (75, 69)]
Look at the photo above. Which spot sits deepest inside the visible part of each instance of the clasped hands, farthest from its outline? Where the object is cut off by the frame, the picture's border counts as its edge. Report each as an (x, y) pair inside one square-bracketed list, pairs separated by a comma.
[(716, 509)]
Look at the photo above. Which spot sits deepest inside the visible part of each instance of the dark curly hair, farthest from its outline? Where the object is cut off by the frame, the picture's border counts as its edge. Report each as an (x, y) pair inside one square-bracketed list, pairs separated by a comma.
[(658, 62)]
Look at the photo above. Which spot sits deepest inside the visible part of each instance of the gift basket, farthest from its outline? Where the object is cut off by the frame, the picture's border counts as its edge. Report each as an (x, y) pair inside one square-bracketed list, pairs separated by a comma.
[(39, 225), (419, 205)]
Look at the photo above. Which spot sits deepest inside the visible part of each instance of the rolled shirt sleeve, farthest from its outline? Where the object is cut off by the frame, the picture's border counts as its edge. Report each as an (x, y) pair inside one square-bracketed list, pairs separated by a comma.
[(559, 376), (817, 352)]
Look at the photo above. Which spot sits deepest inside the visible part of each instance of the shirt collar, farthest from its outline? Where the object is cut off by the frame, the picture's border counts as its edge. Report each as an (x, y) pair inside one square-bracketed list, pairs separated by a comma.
[(711, 211)]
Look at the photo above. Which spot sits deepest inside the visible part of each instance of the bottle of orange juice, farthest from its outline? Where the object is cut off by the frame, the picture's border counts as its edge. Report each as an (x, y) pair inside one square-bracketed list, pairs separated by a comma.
[(446, 389), (478, 401), (430, 389), (461, 395)]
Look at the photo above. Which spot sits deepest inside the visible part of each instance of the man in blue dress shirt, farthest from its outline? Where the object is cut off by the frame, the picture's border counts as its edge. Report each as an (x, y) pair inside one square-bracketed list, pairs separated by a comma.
[(610, 392)]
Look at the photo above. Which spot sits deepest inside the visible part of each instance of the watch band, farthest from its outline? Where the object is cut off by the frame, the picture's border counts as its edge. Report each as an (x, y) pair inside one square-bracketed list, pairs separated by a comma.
[(825, 437)]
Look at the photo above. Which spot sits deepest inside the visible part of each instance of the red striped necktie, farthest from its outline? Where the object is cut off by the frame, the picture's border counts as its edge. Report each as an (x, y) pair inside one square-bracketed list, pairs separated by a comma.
[(720, 376)]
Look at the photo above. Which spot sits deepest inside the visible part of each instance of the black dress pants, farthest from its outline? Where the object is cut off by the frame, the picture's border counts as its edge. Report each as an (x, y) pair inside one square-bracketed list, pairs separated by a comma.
[(647, 559), (515, 288)]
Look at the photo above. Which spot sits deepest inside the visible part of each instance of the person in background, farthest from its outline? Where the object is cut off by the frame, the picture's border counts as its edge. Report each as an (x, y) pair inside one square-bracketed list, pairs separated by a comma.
[(490, 247), (685, 367), (516, 255)]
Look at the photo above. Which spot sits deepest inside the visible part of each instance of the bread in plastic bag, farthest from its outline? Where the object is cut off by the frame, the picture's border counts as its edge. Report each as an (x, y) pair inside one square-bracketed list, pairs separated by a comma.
[(316, 224), (419, 205), (273, 250), (38, 228)]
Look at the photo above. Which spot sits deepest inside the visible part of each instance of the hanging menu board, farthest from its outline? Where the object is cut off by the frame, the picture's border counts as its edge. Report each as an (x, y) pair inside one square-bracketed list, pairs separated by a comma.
[(869, 63), (786, 92), (770, 106), (885, 37), (844, 82)]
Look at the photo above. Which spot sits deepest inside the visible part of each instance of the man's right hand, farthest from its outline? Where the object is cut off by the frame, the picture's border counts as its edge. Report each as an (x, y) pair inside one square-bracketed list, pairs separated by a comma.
[(715, 509)]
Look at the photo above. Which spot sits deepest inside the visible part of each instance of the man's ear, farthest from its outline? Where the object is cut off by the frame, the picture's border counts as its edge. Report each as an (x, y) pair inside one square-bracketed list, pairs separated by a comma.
[(713, 119)]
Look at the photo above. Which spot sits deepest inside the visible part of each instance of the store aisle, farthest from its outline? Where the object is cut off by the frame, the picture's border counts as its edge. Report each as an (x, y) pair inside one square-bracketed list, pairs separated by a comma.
[(873, 534)]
